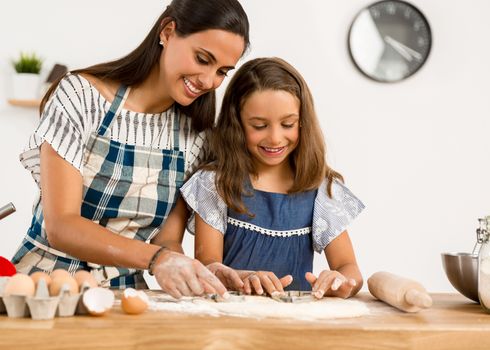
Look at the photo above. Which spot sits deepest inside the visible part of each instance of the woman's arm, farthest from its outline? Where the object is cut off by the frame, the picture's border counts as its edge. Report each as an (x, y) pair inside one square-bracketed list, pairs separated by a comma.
[(68, 231), (344, 278), (172, 231)]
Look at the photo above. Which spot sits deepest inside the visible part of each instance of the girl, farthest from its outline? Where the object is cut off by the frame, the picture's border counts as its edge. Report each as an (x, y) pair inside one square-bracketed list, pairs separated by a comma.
[(267, 198), (116, 141)]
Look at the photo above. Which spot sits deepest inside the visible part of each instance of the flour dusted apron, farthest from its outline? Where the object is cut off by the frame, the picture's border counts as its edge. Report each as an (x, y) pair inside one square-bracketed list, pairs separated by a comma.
[(128, 189)]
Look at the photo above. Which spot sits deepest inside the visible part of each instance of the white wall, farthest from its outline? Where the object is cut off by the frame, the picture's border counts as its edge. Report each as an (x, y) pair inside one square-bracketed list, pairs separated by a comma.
[(416, 152)]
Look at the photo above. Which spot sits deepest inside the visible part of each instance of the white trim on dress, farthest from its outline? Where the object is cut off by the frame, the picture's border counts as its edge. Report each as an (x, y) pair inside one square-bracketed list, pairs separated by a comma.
[(273, 233)]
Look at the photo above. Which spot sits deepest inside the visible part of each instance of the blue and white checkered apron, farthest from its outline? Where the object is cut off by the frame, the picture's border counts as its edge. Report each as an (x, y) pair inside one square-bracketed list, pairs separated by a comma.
[(128, 189)]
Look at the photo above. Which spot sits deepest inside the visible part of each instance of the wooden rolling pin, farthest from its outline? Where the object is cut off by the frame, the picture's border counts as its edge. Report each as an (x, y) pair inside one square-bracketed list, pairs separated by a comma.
[(402, 293)]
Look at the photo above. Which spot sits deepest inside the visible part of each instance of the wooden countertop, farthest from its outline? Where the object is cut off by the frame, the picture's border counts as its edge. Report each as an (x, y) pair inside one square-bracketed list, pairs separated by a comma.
[(453, 322)]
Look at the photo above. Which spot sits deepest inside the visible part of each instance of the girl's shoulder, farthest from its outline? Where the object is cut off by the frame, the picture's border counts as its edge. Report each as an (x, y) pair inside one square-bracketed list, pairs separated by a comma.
[(203, 177), (338, 189), (341, 200), (332, 215)]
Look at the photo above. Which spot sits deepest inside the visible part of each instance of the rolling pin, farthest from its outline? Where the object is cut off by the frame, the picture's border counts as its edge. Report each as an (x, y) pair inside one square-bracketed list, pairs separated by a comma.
[(402, 293)]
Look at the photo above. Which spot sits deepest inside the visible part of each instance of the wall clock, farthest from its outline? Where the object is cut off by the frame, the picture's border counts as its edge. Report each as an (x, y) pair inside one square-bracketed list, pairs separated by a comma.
[(389, 40)]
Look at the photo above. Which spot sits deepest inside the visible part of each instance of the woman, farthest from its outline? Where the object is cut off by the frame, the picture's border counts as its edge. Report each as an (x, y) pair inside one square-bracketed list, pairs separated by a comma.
[(115, 143)]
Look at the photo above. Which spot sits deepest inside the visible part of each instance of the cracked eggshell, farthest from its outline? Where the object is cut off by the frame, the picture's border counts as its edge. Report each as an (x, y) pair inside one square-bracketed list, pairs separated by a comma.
[(98, 300), (133, 301), (82, 276), (20, 284)]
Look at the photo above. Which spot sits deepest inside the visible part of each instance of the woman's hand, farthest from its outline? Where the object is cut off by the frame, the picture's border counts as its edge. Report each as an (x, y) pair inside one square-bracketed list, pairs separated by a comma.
[(331, 283), (179, 275), (257, 281)]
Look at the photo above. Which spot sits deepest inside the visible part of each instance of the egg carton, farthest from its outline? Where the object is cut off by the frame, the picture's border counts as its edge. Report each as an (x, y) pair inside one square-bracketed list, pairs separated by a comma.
[(42, 306)]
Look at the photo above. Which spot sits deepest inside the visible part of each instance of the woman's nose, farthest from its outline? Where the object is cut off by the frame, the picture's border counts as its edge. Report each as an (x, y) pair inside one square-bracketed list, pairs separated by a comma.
[(208, 81)]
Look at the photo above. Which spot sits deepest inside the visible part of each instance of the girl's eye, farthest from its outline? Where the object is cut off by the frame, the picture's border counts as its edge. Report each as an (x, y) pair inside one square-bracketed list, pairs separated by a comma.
[(289, 125), (258, 127)]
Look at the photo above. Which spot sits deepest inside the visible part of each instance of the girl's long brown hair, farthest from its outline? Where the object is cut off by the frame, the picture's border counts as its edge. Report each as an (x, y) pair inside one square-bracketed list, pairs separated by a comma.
[(229, 156), (190, 16)]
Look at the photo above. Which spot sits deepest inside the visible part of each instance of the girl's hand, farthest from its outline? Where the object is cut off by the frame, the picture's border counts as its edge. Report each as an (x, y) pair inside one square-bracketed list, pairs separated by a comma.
[(226, 275), (258, 281), (331, 283)]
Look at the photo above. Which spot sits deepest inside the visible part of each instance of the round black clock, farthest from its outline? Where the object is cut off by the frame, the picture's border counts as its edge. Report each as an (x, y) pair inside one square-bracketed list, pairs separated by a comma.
[(389, 40)]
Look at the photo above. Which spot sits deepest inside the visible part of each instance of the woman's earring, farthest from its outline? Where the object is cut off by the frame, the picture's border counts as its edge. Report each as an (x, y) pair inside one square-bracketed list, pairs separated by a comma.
[(161, 43)]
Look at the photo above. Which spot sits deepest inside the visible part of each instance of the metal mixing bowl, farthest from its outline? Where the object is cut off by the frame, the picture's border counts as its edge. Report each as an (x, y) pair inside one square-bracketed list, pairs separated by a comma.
[(462, 271)]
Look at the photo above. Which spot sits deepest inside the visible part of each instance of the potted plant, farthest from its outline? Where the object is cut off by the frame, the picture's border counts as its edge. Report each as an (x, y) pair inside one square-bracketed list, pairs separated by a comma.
[(26, 80)]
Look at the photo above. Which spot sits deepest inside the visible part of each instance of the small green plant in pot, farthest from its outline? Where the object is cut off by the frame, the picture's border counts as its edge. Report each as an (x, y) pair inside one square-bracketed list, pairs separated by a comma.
[(26, 80), (28, 63)]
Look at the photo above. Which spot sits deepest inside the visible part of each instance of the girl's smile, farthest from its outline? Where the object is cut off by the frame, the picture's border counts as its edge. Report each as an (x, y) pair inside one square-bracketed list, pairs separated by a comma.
[(273, 152)]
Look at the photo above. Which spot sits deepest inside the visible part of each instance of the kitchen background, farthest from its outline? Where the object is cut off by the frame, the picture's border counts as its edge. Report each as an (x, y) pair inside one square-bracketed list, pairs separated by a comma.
[(416, 152)]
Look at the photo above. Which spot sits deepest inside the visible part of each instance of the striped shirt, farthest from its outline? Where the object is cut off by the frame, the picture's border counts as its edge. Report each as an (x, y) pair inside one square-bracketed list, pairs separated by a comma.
[(76, 110)]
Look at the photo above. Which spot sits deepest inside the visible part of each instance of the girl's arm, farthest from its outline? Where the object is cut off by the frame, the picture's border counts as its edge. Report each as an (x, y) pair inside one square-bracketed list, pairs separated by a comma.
[(208, 246), (344, 278), (208, 249), (68, 231)]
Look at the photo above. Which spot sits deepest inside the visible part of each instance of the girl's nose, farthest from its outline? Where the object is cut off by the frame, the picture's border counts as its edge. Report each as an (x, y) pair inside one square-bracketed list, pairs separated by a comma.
[(275, 136)]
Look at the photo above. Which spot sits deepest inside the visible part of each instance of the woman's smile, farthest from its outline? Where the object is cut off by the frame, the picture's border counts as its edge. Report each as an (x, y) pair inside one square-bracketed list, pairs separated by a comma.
[(191, 88)]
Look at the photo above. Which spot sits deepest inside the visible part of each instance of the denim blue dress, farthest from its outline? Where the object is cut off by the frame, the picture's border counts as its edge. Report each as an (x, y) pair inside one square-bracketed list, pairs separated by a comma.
[(285, 230)]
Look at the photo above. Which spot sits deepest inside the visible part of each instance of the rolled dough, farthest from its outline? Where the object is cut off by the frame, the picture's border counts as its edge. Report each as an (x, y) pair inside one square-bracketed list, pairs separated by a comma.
[(263, 307)]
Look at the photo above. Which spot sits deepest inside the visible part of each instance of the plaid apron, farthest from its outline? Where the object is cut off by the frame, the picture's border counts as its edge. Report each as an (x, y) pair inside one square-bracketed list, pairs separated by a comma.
[(128, 189)]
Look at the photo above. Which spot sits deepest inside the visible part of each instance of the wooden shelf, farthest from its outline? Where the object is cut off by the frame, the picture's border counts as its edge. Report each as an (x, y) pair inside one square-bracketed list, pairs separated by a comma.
[(24, 103)]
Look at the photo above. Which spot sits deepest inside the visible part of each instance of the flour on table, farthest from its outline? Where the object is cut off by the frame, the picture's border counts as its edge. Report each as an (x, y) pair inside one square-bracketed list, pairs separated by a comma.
[(263, 307)]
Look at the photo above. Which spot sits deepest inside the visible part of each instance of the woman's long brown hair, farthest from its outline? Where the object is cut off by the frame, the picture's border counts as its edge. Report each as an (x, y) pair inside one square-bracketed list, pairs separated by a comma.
[(229, 156), (190, 16)]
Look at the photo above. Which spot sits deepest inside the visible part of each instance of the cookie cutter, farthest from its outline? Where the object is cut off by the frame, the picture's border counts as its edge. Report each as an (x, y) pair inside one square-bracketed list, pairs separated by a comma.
[(295, 296), (234, 297)]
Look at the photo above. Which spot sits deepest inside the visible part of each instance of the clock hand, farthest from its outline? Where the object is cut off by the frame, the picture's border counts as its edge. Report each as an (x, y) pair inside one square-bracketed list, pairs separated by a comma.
[(403, 50), (399, 49)]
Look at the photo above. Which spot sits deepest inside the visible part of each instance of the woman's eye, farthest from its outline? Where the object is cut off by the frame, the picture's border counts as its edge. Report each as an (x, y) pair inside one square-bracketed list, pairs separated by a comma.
[(288, 126), (201, 59), (223, 73), (258, 127)]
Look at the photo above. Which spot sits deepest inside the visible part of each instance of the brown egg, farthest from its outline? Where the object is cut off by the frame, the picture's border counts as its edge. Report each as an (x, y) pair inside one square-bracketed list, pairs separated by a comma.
[(58, 282), (82, 276), (36, 276), (59, 273), (20, 284), (133, 301)]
